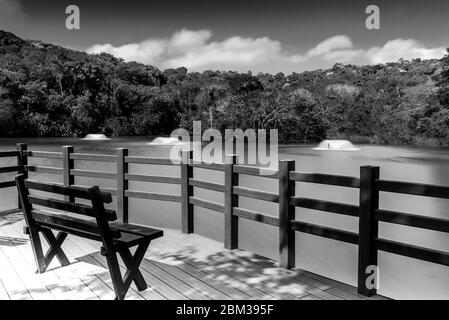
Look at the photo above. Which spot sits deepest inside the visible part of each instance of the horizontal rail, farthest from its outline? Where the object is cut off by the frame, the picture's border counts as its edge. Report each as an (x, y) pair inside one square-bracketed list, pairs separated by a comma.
[(328, 206), (206, 185), (147, 160), (113, 192), (93, 174), (10, 169), (329, 179), (7, 184), (256, 171), (93, 157), (418, 189), (156, 179), (256, 194), (325, 232), (41, 169), (206, 204), (152, 196), (255, 216), (44, 154), (208, 166), (413, 220), (411, 251), (6, 154)]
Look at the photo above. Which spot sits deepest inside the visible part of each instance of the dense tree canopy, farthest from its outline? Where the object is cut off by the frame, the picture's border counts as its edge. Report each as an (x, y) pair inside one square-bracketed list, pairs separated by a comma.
[(47, 90)]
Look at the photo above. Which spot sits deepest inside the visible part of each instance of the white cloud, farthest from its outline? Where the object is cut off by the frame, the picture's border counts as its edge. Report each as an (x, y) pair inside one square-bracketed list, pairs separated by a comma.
[(196, 51), (235, 52), (344, 56), (338, 48), (329, 45), (409, 49), (147, 51), (187, 40)]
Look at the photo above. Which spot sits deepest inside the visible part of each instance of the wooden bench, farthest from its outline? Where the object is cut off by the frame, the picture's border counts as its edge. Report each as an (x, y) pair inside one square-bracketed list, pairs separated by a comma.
[(97, 223)]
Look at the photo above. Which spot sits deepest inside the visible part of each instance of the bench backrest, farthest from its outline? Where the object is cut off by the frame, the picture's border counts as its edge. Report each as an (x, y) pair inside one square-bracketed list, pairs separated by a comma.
[(97, 228)]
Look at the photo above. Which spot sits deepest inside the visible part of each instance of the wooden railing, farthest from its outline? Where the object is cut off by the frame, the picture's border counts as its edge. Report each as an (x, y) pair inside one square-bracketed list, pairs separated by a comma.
[(18, 168), (368, 210)]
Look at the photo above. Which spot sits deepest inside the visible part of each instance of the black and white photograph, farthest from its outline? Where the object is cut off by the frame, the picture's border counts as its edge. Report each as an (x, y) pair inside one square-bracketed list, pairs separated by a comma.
[(235, 153)]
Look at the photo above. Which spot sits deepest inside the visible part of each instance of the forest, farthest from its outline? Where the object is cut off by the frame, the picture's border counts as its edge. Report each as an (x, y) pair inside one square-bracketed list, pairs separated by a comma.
[(50, 91)]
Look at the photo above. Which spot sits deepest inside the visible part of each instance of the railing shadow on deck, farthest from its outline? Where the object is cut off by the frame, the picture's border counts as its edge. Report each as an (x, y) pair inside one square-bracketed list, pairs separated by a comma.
[(250, 275), (11, 241), (251, 271), (10, 217)]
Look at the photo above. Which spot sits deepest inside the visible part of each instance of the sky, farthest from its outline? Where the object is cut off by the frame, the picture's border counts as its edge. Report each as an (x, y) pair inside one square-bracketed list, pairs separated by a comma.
[(246, 35)]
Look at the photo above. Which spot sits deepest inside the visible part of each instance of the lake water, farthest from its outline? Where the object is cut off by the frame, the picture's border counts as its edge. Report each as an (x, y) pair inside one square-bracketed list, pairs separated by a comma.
[(400, 277)]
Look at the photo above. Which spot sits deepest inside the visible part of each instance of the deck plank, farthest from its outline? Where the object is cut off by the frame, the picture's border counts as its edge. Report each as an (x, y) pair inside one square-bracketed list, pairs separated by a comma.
[(50, 280), (280, 284), (201, 259), (201, 286), (91, 255), (337, 289), (177, 266), (103, 281), (35, 287), (87, 274), (204, 277), (11, 280), (3, 293), (189, 291)]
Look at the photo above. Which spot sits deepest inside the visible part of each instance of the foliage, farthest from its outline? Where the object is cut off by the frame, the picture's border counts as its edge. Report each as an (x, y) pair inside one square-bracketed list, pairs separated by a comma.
[(46, 90)]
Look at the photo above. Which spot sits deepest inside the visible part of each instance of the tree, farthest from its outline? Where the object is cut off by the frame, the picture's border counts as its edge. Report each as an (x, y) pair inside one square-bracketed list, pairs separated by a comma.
[(443, 81)]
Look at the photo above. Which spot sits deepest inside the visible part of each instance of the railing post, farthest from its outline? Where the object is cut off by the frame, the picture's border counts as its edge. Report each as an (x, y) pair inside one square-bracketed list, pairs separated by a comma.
[(67, 165), (231, 227), (368, 229), (286, 214), (186, 192), (122, 184), (22, 162)]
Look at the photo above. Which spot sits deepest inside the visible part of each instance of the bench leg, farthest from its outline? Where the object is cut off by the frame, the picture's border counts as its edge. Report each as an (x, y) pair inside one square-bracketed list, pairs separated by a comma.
[(43, 261), (132, 263), (55, 247), (116, 276), (38, 252)]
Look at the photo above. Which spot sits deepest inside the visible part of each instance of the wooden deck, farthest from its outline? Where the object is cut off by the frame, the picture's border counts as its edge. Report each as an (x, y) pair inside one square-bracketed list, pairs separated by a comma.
[(177, 266)]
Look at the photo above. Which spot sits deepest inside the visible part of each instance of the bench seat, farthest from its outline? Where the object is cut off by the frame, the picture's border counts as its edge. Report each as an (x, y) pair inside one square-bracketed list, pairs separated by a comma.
[(121, 232), (136, 229)]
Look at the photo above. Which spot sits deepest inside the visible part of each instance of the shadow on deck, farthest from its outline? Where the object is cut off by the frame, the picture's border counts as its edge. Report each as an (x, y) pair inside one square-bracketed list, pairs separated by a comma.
[(177, 266)]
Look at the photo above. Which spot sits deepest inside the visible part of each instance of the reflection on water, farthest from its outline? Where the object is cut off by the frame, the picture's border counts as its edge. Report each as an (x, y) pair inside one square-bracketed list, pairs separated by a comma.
[(400, 277)]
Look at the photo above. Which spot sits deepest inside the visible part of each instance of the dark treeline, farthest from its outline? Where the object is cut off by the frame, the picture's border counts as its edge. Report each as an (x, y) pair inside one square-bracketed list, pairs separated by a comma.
[(48, 91)]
